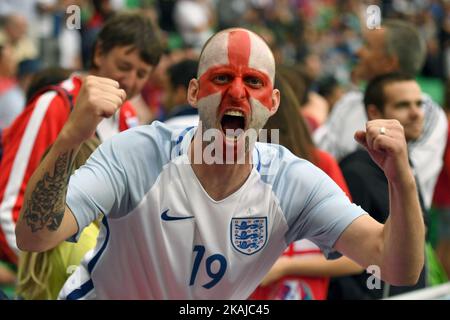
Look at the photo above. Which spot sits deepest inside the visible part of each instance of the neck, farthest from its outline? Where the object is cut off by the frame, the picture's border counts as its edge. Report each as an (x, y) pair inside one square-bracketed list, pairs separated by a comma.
[(218, 179)]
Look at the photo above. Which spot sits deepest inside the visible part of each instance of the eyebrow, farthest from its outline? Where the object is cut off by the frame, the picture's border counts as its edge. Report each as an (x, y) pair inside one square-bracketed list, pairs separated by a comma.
[(128, 64), (217, 69), (407, 103), (124, 62)]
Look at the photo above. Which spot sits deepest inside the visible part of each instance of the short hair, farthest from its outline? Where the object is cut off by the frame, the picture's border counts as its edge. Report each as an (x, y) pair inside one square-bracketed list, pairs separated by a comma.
[(130, 29), (44, 78), (404, 42), (326, 85), (181, 73), (374, 94)]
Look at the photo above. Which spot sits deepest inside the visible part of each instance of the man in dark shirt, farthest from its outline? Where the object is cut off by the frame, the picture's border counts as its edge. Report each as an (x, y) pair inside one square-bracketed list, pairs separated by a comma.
[(179, 112), (390, 96)]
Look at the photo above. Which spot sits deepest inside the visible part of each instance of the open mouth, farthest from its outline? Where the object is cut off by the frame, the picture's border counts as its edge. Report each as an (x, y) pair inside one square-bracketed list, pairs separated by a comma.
[(233, 124)]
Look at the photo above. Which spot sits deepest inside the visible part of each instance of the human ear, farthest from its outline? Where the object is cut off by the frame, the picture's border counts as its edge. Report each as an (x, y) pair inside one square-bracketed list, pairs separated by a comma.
[(192, 92), (275, 101)]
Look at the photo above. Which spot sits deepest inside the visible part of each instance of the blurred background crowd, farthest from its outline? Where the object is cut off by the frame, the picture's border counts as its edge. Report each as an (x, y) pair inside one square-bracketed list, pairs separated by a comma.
[(322, 37), (316, 44)]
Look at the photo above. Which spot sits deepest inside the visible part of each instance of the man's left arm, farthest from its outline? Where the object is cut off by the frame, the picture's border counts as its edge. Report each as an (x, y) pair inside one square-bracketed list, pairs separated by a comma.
[(397, 247)]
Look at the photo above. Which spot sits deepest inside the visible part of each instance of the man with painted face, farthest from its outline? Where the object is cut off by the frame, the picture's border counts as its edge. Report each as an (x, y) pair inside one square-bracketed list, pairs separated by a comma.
[(180, 226)]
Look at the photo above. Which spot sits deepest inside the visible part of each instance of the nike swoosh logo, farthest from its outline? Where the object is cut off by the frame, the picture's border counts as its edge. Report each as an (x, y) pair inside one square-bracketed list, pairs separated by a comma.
[(166, 217)]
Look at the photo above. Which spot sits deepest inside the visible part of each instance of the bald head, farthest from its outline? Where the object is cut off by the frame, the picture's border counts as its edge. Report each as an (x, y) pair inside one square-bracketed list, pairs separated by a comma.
[(235, 82), (239, 47)]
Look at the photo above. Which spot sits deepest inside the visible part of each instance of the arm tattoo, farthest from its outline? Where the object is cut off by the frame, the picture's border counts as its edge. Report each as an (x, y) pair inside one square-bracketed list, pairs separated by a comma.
[(47, 204)]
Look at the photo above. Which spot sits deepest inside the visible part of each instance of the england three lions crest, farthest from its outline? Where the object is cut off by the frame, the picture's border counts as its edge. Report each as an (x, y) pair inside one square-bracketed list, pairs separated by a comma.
[(248, 235)]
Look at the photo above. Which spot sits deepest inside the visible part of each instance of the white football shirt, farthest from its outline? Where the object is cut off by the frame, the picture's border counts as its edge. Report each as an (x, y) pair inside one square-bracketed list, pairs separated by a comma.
[(164, 237)]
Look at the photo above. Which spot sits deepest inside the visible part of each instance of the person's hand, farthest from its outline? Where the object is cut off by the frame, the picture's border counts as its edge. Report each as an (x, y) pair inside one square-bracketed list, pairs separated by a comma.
[(277, 271), (99, 98), (386, 144)]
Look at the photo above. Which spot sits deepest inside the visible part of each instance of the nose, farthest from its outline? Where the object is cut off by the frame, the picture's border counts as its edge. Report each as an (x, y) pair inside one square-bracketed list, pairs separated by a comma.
[(237, 89), (416, 112)]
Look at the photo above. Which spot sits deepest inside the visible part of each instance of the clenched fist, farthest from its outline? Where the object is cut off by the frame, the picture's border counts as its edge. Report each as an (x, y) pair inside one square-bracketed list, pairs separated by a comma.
[(385, 141), (98, 98)]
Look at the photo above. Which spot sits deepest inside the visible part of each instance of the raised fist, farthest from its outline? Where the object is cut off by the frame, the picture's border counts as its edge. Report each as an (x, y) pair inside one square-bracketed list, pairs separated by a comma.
[(98, 98), (385, 141)]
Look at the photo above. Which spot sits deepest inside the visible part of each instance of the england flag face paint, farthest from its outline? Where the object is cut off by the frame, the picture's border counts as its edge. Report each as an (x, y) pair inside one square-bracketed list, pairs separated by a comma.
[(236, 73)]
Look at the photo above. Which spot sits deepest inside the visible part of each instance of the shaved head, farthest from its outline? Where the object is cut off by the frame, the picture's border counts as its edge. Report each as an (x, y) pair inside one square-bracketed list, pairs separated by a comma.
[(232, 45), (234, 88)]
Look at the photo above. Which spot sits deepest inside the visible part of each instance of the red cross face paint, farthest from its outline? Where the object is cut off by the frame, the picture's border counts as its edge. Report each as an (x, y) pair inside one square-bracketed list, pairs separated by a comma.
[(236, 74)]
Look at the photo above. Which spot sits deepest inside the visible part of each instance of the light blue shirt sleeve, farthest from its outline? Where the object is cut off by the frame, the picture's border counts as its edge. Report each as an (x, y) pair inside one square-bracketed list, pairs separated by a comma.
[(314, 206), (327, 212)]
